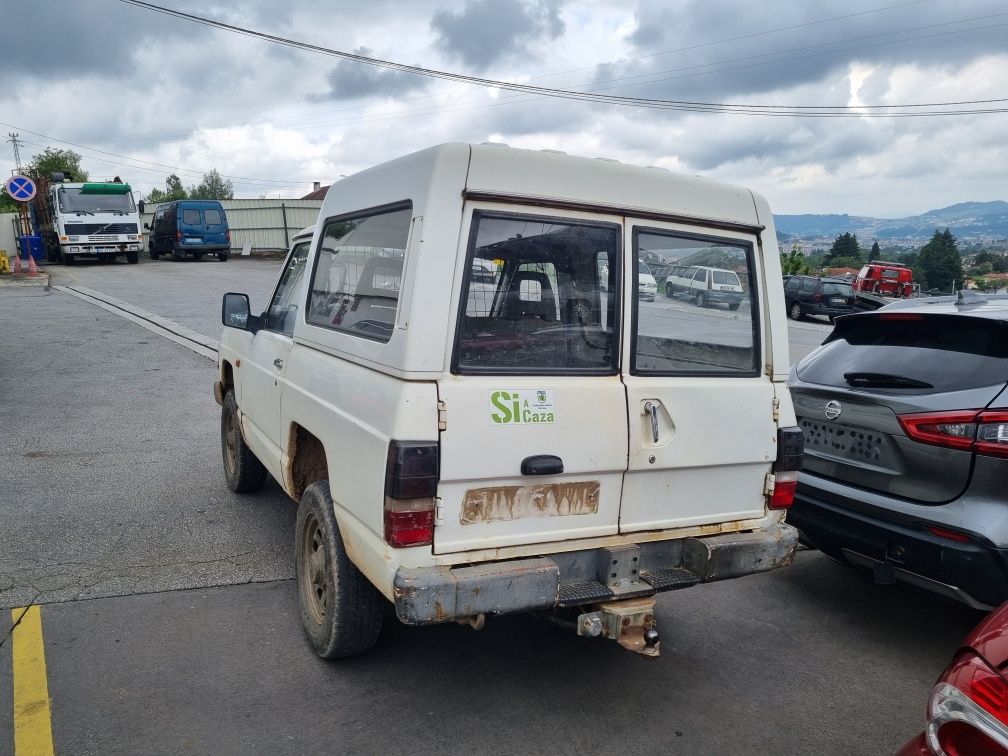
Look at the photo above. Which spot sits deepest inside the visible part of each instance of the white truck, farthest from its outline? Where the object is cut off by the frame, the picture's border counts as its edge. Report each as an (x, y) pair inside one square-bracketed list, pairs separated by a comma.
[(89, 219), (454, 381)]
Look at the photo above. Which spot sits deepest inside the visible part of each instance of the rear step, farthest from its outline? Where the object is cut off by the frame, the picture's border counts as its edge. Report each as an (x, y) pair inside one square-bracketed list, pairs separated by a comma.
[(577, 594)]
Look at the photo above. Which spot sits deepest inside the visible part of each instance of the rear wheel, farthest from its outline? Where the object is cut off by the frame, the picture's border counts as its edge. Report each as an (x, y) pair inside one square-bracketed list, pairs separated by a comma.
[(177, 255), (733, 307), (222, 256), (153, 253), (197, 255), (340, 610), (795, 311), (242, 469)]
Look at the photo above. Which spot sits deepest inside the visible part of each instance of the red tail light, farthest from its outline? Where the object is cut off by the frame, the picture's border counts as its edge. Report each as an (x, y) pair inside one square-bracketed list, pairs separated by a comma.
[(968, 711), (178, 235), (790, 456), (228, 234), (817, 297), (411, 478), (968, 430), (785, 485)]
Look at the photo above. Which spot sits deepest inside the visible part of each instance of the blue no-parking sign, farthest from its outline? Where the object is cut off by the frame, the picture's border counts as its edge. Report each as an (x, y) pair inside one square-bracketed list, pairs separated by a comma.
[(20, 188)]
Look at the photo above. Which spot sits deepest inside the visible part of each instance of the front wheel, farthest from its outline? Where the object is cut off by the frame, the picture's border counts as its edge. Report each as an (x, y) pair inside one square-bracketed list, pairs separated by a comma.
[(795, 311), (242, 469), (340, 610), (701, 300), (132, 257), (69, 260)]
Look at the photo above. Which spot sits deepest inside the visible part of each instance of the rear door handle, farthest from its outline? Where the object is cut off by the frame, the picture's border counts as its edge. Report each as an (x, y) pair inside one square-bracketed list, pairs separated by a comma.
[(278, 363), (651, 408), (542, 464)]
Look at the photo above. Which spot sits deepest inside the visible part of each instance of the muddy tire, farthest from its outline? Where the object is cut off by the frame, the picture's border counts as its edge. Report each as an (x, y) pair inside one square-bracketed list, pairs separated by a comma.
[(243, 471), (341, 611)]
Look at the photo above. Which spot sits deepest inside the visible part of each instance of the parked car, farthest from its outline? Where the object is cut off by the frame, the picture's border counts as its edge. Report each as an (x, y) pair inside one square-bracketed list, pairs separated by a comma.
[(189, 227), (464, 444), (705, 286), (967, 713), (647, 287), (905, 415), (886, 278), (812, 295)]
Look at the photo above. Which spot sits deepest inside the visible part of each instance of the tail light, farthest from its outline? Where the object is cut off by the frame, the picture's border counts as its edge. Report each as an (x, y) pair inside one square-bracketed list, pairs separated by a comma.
[(982, 432), (817, 297), (178, 235), (968, 710), (228, 234), (790, 455), (411, 478)]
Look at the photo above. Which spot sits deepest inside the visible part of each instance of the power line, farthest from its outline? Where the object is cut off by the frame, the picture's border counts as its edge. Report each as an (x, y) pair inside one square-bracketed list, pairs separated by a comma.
[(680, 105)]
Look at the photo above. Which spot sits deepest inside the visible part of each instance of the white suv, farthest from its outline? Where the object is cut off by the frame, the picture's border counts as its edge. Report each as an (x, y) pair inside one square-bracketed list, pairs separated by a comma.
[(455, 382)]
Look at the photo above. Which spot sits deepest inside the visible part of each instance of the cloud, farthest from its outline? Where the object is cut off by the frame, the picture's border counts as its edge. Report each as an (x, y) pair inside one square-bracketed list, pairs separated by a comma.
[(349, 79), (489, 31)]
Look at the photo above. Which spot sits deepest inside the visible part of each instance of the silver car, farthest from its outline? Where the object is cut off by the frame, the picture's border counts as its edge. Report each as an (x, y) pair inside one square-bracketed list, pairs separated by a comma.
[(905, 416)]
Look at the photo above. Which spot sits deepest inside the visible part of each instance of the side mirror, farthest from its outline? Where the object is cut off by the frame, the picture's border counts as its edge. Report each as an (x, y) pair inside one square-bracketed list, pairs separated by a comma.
[(146, 226), (235, 313)]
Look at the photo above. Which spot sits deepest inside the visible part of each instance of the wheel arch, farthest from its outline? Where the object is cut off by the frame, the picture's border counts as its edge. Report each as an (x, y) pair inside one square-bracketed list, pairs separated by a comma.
[(306, 460)]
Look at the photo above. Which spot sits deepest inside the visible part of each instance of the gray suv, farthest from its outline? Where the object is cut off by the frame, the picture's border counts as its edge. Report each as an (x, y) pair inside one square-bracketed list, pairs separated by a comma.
[(905, 416)]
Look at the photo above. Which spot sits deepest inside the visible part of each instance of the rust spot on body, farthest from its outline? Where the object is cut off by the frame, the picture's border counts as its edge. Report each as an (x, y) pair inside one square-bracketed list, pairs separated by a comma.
[(503, 503)]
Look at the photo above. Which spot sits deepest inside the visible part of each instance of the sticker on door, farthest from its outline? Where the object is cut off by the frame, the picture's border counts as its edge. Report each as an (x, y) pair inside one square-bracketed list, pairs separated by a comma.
[(522, 407)]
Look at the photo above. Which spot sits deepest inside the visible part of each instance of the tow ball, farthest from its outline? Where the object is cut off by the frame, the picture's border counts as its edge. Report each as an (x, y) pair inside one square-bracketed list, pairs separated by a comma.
[(630, 622)]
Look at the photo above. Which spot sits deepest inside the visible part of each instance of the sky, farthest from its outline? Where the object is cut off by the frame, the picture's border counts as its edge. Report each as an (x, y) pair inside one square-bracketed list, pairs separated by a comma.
[(141, 94)]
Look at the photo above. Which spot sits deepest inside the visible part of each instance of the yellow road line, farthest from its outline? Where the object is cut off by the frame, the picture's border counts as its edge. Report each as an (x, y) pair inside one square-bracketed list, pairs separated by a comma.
[(32, 717)]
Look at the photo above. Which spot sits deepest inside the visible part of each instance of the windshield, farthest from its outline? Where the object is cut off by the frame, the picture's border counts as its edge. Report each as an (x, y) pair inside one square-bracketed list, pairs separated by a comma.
[(72, 201)]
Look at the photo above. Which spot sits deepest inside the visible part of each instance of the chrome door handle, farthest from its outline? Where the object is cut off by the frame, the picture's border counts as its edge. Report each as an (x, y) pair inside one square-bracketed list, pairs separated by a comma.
[(278, 363), (650, 408)]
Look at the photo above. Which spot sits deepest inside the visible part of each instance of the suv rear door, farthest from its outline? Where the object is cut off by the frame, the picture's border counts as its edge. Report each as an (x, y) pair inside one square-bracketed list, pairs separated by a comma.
[(215, 228), (535, 444), (849, 395), (190, 223), (701, 428)]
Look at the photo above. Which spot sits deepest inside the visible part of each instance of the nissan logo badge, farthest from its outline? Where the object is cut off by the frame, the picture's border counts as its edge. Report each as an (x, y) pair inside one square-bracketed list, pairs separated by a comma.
[(833, 409)]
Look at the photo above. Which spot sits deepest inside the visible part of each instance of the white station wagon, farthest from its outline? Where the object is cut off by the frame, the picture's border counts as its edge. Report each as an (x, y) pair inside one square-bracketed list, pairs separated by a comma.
[(457, 382)]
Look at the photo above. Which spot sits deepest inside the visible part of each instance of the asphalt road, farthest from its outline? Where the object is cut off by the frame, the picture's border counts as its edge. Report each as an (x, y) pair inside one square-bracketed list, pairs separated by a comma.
[(170, 616)]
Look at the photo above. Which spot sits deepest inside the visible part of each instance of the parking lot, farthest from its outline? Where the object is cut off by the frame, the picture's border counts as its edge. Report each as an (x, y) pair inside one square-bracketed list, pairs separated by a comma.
[(170, 616)]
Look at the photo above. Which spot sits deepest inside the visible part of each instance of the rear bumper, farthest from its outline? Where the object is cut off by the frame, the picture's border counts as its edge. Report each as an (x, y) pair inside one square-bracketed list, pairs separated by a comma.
[(973, 572), (833, 312), (721, 297), (428, 595)]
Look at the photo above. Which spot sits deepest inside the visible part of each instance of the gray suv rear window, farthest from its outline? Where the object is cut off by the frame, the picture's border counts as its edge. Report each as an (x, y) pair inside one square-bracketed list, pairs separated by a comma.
[(952, 353)]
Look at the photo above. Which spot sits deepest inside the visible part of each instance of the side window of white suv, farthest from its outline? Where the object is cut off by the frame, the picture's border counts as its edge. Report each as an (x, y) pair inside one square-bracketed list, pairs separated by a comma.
[(282, 310), (358, 273)]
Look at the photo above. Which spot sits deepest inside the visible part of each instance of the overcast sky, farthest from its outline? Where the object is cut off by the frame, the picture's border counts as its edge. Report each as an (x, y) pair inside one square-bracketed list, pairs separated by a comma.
[(164, 94)]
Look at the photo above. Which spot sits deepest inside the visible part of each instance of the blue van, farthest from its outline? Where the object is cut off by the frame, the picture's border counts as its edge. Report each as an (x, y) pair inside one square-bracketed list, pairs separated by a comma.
[(190, 227)]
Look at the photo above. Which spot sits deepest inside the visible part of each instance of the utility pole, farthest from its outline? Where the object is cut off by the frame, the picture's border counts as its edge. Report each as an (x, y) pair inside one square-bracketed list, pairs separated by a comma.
[(17, 151)]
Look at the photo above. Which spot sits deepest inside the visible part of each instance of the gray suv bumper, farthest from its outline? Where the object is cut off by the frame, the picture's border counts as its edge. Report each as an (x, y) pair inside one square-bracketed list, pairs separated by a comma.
[(428, 595)]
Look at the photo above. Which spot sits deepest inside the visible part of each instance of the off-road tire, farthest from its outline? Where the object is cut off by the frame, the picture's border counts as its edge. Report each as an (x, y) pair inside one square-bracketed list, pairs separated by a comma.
[(341, 611), (243, 471), (132, 257), (222, 256), (795, 311)]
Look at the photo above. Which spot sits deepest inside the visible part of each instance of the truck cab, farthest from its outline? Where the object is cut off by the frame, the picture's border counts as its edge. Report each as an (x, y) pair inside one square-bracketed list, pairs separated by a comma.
[(92, 219), (477, 413)]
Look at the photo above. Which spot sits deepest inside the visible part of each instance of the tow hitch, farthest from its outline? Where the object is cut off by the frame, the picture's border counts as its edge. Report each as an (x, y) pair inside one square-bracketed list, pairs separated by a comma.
[(630, 622)]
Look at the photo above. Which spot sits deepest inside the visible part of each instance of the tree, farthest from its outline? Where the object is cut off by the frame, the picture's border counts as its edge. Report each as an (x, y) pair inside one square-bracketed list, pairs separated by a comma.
[(846, 246), (213, 186), (875, 252), (939, 265), (173, 191), (52, 159), (794, 262)]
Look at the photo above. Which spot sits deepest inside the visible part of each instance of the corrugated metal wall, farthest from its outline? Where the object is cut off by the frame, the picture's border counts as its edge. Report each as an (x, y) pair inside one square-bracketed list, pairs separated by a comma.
[(261, 222)]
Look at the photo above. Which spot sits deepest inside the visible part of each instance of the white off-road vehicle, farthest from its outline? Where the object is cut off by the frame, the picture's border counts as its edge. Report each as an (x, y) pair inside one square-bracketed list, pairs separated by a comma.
[(457, 381)]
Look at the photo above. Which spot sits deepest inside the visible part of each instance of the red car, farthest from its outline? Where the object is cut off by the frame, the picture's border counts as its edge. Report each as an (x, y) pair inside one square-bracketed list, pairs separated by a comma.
[(968, 711), (886, 278)]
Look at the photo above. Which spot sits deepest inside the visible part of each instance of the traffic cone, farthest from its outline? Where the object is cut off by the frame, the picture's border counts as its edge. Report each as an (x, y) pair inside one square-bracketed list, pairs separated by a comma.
[(32, 267), (17, 265)]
